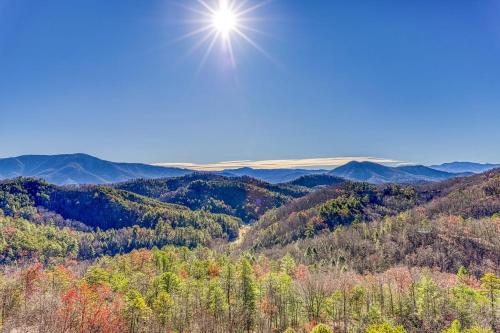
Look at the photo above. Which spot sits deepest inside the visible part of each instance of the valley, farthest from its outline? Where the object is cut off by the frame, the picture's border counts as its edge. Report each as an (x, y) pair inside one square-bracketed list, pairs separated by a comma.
[(206, 252)]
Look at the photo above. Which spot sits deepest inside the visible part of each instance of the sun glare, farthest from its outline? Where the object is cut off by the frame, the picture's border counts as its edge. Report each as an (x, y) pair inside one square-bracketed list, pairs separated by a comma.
[(226, 22)]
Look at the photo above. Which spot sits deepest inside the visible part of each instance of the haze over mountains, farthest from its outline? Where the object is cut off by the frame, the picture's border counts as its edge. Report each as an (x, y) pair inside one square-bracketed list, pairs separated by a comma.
[(465, 167), (85, 169), (378, 174), (80, 169)]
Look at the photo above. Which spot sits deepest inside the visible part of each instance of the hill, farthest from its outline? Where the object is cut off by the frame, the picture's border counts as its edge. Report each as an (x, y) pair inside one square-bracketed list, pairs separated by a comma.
[(425, 262), (459, 167), (273, 176), (445, 225), (243, 197), (378, 174), (313, 181), (328, 208), (80, 169), (124, 217)]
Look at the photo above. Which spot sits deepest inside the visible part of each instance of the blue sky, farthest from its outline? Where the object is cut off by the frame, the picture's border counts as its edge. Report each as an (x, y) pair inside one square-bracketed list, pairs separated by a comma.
[(415, 81)]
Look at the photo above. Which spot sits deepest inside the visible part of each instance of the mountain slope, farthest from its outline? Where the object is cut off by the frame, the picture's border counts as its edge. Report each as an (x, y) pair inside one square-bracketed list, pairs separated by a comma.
[(430, 174), (107, 208), (271, 175), (243, 197), (378, 174), (458, 167), (372, 173), (312, 181), (80, 169), (476, 197)]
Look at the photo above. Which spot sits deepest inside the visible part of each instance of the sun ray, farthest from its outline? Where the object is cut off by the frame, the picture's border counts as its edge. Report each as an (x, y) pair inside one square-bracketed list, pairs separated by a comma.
[(253, 8), (241, 5), (208, 51), (225, 21), (201, 42), (231, 52), (207, 6), (256, 46), (244, 27), (192, 33), (193, 10)]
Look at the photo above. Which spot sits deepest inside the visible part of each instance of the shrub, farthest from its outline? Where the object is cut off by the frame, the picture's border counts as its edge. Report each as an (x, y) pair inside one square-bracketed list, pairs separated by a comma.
[(321, 328), (385, 328)]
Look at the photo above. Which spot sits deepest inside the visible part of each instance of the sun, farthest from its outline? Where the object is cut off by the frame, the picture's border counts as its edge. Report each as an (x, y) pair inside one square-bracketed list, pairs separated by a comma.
[(225, 22)]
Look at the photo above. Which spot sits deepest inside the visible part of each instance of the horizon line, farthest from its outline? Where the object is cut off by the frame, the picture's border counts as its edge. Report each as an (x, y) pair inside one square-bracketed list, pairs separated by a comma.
[(303, 163)]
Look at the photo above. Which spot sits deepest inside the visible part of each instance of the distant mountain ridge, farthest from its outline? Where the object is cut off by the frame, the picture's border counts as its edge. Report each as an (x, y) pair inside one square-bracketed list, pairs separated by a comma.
[(86, 169), (378, 174), (458, 167), (272, 176), (80, 169)]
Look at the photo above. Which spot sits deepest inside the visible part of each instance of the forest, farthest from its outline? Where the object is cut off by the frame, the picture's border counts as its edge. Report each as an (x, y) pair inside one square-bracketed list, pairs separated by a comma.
[(204, 253)]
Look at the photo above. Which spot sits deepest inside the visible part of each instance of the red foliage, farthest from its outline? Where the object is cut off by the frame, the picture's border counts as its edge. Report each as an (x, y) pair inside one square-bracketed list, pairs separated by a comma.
[(91, 309), (301, 272)]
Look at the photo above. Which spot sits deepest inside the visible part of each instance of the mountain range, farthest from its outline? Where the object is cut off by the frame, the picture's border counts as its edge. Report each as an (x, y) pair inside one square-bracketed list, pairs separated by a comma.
[(465, 167), (80, 169), (85, 169), (377, 173)]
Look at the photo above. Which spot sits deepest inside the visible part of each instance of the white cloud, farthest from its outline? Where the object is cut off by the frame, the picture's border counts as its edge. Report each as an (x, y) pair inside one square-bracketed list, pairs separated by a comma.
[(306, 163)]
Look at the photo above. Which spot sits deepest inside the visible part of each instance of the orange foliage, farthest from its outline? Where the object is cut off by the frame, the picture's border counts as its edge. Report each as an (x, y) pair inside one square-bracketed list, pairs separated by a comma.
[(213, 270), (301, 272), (91, 309)]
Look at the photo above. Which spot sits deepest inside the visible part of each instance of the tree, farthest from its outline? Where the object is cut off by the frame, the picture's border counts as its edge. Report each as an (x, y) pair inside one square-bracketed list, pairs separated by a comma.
[(342, 210), (136, 310), (163, 308), (248, 296), (427, 300), (385, 328), (491, 287), (88, 308), (456, 327), (321, 328)]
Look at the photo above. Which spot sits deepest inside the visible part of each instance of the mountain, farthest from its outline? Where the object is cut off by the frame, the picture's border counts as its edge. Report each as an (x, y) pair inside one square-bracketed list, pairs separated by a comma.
[(378, 174), (430, 174), (376, 254), (244, 197), (322, 211), (85, 169), (109, 210), (313, 181), (329, 207), (418, 226), (80, 169), (273, 176), (458, 167)]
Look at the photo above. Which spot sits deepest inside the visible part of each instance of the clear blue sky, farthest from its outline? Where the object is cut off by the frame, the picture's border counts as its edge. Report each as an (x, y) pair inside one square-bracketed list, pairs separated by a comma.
[(408, 80)]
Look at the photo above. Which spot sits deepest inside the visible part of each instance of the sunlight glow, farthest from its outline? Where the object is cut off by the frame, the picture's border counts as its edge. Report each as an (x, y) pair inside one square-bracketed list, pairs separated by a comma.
[(225, 22)]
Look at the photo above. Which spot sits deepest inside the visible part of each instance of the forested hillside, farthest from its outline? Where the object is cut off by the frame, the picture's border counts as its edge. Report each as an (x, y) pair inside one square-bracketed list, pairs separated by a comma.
[(349, 257), (330, 207), (243, 197), (181, 290), (312, 181), (326, 209), (121, 220)]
